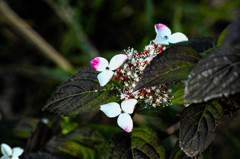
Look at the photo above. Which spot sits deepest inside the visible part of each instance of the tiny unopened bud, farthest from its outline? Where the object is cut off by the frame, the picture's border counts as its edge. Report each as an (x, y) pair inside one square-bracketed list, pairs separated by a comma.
[(118, 70), (121, 78), (145, 51), (143, 92)]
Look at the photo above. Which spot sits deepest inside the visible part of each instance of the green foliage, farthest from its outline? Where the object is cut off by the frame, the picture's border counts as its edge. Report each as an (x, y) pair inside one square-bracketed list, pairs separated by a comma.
[(142, 143), (177, 152), (71, 148), (221, 37), (83, 143), (67, 125), (174, 64), (80, 94), (178, 96), (24, 127), (197, 125)]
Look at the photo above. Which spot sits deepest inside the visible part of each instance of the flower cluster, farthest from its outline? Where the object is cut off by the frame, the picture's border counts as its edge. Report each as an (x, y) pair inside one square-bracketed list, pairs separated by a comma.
[(130, 74), (128, 69)]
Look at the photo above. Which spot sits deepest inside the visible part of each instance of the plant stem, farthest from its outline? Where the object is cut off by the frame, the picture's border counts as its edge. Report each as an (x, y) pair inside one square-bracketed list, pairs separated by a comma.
[(20, 26), (173, 128)]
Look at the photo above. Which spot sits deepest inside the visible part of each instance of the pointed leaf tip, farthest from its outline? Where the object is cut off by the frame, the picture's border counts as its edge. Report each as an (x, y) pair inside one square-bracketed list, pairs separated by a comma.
[(197, 126)]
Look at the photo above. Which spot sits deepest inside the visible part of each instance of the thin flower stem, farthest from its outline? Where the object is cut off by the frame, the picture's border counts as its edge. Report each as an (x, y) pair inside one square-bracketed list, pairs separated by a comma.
[(20, 26), (173, 128)]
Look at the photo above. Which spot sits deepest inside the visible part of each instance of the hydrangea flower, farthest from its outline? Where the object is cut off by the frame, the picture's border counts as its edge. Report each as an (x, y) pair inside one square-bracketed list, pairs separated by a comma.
[(130, 73), (124, 120), (9, 153), (165, 36), (106, 69)]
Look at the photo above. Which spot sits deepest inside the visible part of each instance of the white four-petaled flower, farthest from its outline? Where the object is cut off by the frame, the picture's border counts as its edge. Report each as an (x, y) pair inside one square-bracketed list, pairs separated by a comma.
[(124, 120), (9, 153), (106, 69), (164, 35)]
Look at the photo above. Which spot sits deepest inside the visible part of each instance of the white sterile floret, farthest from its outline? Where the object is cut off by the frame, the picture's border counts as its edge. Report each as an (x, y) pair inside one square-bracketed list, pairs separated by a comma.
[(9, 153), (165, 36), (106, 69), (124, 120)]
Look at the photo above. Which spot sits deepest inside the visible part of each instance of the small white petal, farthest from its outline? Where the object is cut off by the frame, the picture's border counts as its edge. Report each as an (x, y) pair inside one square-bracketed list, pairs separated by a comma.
[(177, 37), (129, 105), (4, 157), (117, 61), (125, 122), (104, 77), (162, 30), (111, 109), (6, 150), (160, 40), (17, 151), (99, 63)]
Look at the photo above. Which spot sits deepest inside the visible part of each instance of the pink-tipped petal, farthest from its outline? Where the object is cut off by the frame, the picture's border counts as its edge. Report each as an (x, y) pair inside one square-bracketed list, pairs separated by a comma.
[(117, 61), (6, 150), (111, 109), (99, 63), (17, 151), (129, 105), (104, 77), (125, 122), (177, 37), (162, 30)]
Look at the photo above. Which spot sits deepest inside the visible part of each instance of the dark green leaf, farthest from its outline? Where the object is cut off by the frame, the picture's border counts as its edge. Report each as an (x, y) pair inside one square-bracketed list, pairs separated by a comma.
[(67, 127), (177, 152), (232, 38), (106, 130), (218, 73), (178, 97), (214, 76), (69, 148), (221, 37), (146, 141), (143, 143), (87, 137), (24, 127), (197, 126), (174, 64), (80, 94)]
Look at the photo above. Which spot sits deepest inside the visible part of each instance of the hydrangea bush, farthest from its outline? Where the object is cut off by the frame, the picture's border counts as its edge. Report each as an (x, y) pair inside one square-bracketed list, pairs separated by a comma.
[(201, 75)]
